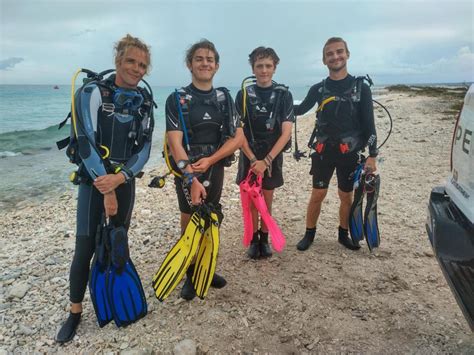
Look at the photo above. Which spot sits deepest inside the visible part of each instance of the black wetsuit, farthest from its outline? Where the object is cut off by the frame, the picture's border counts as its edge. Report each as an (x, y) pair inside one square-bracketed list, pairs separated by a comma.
[(339, 119), (207, 120), (261, 136), (121, 132)]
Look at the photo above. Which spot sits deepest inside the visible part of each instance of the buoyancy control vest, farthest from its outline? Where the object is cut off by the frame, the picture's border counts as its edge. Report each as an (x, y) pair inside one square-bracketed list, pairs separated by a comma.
[(222, 101), (140, 129), (351, 139), (272, 109), (141, 126)]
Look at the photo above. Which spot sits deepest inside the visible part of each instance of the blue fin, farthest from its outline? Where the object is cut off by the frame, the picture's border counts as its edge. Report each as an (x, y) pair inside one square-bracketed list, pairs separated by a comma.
[(356, 222), (124, 288), (98, 291), (126, 295), (98, 280), (371, 227)]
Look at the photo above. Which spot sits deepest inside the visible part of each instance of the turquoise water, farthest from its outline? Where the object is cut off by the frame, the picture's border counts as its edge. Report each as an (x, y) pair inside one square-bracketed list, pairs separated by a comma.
[(31, 167), (30, 114)]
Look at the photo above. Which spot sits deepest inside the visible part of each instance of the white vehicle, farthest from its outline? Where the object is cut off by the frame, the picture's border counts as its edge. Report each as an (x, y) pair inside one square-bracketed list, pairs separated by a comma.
[(450, 223)]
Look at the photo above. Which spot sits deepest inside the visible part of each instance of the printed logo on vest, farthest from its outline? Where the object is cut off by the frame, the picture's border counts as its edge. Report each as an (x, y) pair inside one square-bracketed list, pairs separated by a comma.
[(261, 109)]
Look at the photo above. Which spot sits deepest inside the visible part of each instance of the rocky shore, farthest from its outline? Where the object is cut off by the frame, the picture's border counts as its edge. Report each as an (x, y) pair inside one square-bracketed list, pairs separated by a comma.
[(327, 299)]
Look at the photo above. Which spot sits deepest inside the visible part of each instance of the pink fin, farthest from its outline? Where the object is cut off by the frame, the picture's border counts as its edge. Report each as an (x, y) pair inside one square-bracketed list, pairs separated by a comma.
[(246, 213), (277, 237)]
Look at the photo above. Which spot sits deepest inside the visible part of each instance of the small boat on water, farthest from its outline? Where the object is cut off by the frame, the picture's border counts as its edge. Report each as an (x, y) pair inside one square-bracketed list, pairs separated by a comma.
[(55, 87)]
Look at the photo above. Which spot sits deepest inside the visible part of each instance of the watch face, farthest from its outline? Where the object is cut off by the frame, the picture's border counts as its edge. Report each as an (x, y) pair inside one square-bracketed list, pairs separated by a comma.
[(182, 163)]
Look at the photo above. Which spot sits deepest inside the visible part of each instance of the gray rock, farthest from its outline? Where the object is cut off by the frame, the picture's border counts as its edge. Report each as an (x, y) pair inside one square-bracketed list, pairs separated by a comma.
[(185, 347), (51, 261), (24, 330), (10, 276), (57, 280), (137, 352), (18, 290)]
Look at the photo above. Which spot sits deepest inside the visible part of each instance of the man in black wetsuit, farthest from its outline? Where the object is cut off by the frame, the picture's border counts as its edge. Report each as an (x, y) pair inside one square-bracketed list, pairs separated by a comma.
[(203, 130), (267, 121), (344, 126), (117, 116)]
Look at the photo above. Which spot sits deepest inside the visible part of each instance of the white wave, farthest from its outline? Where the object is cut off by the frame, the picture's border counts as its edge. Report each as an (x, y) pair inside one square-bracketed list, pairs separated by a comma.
[(7, 154)]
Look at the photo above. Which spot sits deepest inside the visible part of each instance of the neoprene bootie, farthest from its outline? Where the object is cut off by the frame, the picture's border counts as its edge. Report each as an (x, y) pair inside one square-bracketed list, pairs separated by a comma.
[(68, 329), (345, 240), (218, 281), (265, 250), (188, 292), (307, 240), (254, 249)]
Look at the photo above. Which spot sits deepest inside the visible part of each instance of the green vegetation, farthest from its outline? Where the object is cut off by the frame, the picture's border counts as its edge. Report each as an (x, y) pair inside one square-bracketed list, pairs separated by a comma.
[(453, 93), (453, 97)]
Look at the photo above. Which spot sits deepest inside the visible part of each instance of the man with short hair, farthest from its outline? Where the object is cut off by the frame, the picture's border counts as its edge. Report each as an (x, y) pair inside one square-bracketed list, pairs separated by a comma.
[(203, 131), (344, 127)]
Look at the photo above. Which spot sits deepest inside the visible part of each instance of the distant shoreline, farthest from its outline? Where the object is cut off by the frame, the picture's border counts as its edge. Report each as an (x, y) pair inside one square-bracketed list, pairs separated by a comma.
[(460, 83)]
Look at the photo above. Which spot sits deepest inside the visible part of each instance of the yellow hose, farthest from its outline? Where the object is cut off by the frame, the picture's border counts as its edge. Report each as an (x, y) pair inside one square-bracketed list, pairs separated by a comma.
[(73, 103), (326, 101)]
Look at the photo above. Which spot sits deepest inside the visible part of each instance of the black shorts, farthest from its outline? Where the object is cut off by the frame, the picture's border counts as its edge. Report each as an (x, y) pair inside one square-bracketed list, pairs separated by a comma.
[(214, 191), (269, 182), (323, 165)]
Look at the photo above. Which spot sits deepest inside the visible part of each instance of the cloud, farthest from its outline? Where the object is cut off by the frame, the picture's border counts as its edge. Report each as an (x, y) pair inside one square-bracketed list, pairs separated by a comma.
[(462, 61), (10, 62), (83, 32)]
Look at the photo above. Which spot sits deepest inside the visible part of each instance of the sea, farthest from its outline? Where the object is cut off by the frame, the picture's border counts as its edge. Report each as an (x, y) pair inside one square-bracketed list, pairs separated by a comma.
[(31, 166)]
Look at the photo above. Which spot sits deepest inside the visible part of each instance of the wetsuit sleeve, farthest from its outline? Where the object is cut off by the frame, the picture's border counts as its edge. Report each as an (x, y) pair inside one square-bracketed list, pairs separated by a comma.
[(288, 110), (88, 102), (173, 123), (309, 101), (367, 120), (138, 160)]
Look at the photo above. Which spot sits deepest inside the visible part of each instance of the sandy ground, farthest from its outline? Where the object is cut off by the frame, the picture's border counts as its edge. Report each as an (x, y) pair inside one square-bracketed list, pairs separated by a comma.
[(327, 299)]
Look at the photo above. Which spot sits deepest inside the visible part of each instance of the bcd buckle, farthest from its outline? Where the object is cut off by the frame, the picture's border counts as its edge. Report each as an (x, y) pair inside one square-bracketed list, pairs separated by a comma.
[(319, 147), (344, 148)]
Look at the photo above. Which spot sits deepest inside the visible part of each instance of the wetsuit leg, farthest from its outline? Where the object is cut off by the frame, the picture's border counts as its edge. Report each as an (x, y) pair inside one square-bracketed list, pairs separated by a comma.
[(126, 200), (276, 180), (345, 166), (90, 205), (184, 196), (214, 191), (243, 168), (322, 169)]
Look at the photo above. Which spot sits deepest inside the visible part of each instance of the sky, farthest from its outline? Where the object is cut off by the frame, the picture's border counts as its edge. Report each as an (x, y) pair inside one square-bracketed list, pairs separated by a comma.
[(401, 41)]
